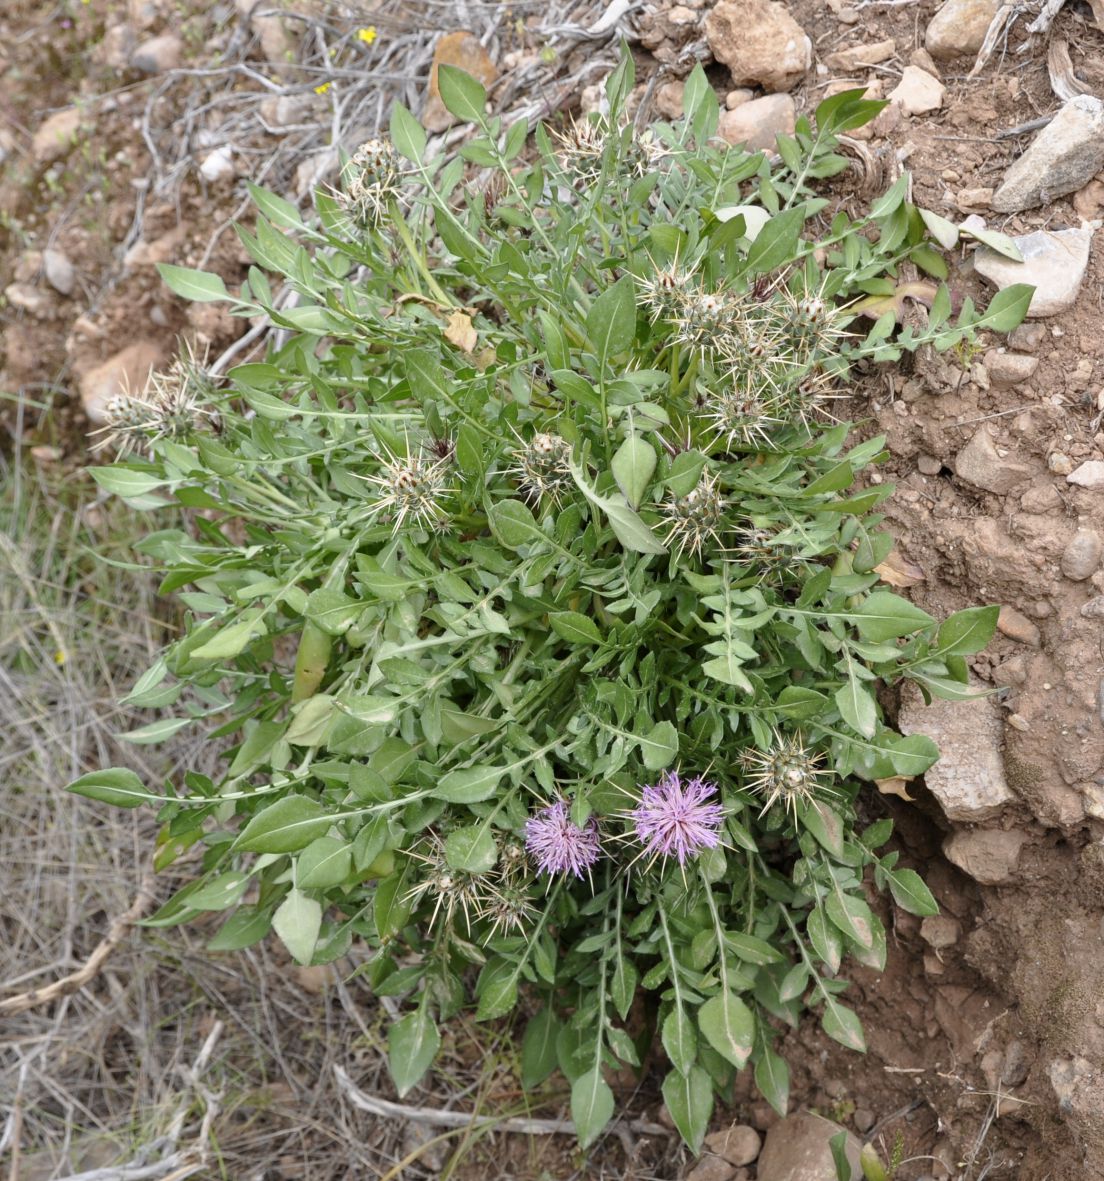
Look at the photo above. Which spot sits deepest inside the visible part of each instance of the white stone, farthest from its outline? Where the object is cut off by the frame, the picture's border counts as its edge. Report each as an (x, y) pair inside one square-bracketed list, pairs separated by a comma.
[(1054, 263), (1090, 474), (917, 92), (59, 271), (959, 27)]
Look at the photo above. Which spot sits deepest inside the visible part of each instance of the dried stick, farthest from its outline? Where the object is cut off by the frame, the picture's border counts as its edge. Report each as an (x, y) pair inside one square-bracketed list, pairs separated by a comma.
[(436, 1118), (75, 981)]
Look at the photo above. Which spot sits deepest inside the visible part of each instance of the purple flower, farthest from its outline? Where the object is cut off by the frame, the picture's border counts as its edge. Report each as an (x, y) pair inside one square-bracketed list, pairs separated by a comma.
[(674, 820), (559, 846)]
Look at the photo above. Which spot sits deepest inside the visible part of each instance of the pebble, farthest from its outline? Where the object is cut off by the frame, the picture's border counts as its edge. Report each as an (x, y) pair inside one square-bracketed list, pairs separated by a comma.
[(669, 99), (969, 780), (760, 42), (989, 856), (959, 27), (970, 199), (939, 931), (917, 92), (1063, 157), (863, 1119), (739, 1145), (126, 372), (1018, 627), (758, 123), (1054, 264), (59, 271), (1090, 474), (1043, 499), (158, 55), (857, 56), (1094, 608), (712, 1168), (218, 165), (798, 1149), (1081, 557), (1059, 463), (27, 299), (1009, 369), (736, 98), (980, 463), (56, 136), (1026, 338), (928, 465)]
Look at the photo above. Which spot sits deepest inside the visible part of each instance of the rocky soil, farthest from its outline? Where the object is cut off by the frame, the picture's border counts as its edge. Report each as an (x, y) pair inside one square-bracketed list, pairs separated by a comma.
[(987, 1029)]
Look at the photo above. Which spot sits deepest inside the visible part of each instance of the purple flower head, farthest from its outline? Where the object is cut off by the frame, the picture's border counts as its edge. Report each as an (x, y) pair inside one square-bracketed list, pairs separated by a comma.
[(673, 819), (559, 846)]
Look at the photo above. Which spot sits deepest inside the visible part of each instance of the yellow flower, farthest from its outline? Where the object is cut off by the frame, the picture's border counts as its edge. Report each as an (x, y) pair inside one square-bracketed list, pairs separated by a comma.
[(367, 35), (322, 88), (60, 656)]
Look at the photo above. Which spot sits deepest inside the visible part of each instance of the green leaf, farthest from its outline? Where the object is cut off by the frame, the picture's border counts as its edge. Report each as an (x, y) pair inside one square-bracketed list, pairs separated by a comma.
[(462, 95), (659, 747), (752, 949), (885, 616), (198, 286), (772, 1077), (278, 210), (825, 824), (633, 466), (324, 863), (286, 826), (591, 1105), (538, 1048), (114, 785), (629, 528), (910, 893), (776, 243), (412, 1045), (497, 989), (220, 892), (331, 610), (838, 1146), (943, 231), (685, 472), (857, 706), (133, 486), (611, 321), (468, 785), (246, 926), (689, 1099), (729, 1027), (156, 731), (471, 849), (623, 984), (852, 916), (575, 628), (229, 642), (514, 524), (297, 921), (841, 1024), (826, 940), (1007, 308), (999, 243), (407, 134), (679, 1040), (967, 632)]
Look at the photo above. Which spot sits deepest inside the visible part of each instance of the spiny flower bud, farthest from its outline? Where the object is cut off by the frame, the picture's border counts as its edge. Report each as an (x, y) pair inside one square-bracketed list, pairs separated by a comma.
[(787, 772), (410, 490), (662, 294), (372, 181), (543, 467), (695, 518)]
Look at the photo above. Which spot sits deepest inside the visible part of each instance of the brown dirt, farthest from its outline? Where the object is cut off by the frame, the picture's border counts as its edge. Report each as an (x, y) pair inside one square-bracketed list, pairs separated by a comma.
[(987, 1053)]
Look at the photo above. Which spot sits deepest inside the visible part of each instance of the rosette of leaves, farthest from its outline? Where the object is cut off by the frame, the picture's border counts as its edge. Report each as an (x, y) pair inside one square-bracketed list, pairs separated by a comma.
[(476, 535)]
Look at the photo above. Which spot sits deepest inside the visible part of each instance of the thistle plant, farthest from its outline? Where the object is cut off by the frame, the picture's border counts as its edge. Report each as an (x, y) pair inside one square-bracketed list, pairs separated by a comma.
[(531, 602)]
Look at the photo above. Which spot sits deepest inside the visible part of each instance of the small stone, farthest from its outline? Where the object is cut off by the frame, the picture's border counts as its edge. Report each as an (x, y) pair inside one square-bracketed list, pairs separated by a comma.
[(849, 16), (59, 271), (980, 464), (758, 123), (939, 931), (970, 199), (959, 27), (856, 56), (56, 136), (1026, 338), (798, 1149), (1081, 557), (158, 55), (739, 1145), (218, 165), (1018, 627), (316, 978), (1088, 202), (1064, 156), (863, 1119), (1014, 1065), (917, 92), (928, 465), (968, 780), (760, 42), (1054, 264), (1059, 463), (737, 98), (1090, 474), (27, 299), (712, 1168), (1009, 369), (125, 373), (669, 99), (989, 856), (922, 58), (1094, 608), (681, 15)]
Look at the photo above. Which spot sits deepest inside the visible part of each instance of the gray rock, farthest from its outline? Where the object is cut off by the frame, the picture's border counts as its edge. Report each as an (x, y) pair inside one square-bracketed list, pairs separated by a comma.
[(1044, 498), (27, 299), (917, 92), (1090, 474), (1063, 157), (1009, 369), (968, 780), (1094, 608), (758, 123), (739, 1145), (158, 55), (989, 856), (1054, 264), (981, 464), (712, 1168), (959, 27), (797, 1149), (760, 42), (1026, 337), (1081, 557), (939, 930), (56, 135), (59, 271), (1059, 463)]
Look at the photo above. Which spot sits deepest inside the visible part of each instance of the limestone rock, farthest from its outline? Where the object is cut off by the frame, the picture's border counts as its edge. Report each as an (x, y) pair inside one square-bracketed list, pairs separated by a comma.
[(158, 55), (669, 99), (917, 92), (712, 1168), (1009, 369), (1026, 338), (981, 464), (959, 27), (1016, 626), (1081, 557), (758, 123), (1090, 474), (56, 135), (760, 42), (939, 930), (989, 856), (1054, 264), (739, 1145), (27, 299), (857, 56), (1063, 157), (968, 780), (59, 271), (126, 372), (797, 1149)]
